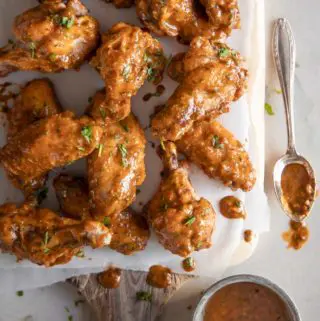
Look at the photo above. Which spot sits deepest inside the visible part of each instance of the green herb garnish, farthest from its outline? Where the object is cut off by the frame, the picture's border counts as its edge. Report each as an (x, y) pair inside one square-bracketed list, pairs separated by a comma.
[(237, 204), (124, 126), (52, 57), (80, 253), (107, 221), (224, 52), (86, 132), (20, 293), (216, 142), (123, 151), (66, 22), (268, 109), (144, 296), (32, 47), (164, 206), (189, 261), (103, 113), (81, 149), (189, 220), (42, 194), (151, 74), (100, 150), (162, 145), (46, 239), (126, 72)]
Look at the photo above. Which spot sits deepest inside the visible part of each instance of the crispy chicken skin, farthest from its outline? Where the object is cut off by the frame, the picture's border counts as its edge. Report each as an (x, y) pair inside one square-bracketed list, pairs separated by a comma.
[(127, 57), (49, 143), (44, 237), (183, 222), (116, 168), (187, 19), (214, 149), (35, 101), (212, 76), (51, 37), (130, 232)]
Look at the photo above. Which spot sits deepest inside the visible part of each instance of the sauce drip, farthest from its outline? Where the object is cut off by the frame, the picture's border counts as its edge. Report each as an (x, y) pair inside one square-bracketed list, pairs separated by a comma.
[(245, 301), (110, 278), (159, 91), (297, 235), (232, 208), (248, 236), (189, 264), (298, 189), (159, 276)]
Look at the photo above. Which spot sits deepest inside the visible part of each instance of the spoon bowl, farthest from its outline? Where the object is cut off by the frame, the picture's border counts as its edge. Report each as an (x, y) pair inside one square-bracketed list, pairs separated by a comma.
[(285, 160)]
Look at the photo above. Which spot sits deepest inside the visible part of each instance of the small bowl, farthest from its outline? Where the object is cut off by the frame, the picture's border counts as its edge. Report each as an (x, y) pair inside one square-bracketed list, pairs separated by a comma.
[(200, 310)]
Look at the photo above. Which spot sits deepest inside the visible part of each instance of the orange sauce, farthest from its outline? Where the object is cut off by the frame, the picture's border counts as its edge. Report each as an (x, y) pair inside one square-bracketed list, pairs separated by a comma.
[(159, 276), (189, 264), (297, 235), (110, 278), (248, 236), (232, 208)]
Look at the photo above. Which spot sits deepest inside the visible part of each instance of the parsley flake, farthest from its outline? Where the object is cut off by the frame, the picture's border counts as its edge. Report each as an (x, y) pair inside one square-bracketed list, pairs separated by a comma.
[(103, 113), (144, 296), (20, 293), (100, 150), (123, 151), (223, 52), (124, 126), (52, 57), (268, 109), (106, 221), (216, 142), (86, 132), (189, 220), (66, 22)]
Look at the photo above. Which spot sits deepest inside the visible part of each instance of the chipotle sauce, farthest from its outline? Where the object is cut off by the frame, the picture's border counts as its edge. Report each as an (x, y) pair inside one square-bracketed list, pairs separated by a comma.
[(188, 264), (232, 208), (298, 189), (245, 301), (297, 235), (110, 278), (159, 276), (248, 236)]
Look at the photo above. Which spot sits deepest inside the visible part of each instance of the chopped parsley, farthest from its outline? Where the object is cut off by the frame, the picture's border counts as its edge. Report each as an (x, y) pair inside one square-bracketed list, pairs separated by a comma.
[(66, 22), (124, 126), (223, 52), (80, 253), (268, 109), (52, 57), (162, 145), (46, 239), (151, 74), (189, 262), (20, 293), (126, 72), (216, 142), (100, 150), (81, 149), (189, 220), (32, 47), (107, 221), (86, 132), (41, 194), (144, 296), (103, 113), (237, 204), (67, 309), (123, 151)]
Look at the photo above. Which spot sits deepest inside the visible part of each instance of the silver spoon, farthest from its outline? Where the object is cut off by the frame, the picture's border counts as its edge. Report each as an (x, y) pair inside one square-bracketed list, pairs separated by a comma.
[(284, 54)]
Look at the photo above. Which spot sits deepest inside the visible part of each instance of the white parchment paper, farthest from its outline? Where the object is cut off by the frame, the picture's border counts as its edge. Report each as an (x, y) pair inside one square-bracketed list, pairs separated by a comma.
[(246, 121)]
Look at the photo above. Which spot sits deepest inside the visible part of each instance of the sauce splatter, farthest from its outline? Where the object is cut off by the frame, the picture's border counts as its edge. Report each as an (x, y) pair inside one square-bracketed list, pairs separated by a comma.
[(159, 276), (298, 189), (245, 301), (232, 208), (159, 91), (189, 264), (248, 236), (297, 235), (110, 278)]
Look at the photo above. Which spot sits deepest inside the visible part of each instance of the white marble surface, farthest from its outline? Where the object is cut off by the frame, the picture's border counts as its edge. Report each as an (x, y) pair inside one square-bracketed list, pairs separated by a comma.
[(296, 272)]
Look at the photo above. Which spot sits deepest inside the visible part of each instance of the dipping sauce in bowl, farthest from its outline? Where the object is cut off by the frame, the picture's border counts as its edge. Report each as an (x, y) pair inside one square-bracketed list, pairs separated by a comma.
[(298, 189), (245, 301)]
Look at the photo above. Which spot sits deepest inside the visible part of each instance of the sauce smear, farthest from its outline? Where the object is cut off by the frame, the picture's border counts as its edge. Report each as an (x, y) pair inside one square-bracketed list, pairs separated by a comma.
[(298, 189), (245, 301), (232, 208), (297, 235), (159, 276), (110, 278), (248, 236)]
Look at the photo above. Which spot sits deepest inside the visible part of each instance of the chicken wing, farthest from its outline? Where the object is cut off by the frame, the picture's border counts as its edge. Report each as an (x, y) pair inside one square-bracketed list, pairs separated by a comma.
[(44, 237), (35, 101), (213, 148), (117, 167), (49, 143), (183, 222), (51, 37), (187, 19), (130, 232), (127, 57)]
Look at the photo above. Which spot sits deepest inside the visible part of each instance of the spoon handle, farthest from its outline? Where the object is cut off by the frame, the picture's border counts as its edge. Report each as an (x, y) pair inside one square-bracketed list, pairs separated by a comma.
[(284, 54)]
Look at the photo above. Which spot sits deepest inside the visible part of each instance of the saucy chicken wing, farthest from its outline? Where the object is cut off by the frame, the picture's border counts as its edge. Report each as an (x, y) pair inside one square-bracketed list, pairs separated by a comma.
[(127, 57), (212, 76), (213, 148), (51, 37), (116, 167), (183, 222), (49, 143), (130, 232), (44, 237), (187, 19)]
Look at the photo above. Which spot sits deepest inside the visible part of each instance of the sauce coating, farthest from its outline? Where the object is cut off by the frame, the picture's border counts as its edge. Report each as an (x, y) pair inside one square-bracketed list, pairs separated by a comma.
[(248, 236), (298, 189), (232, 208), (297, 235), (159, 276), (245, 301), (110, 278), (189, 264)]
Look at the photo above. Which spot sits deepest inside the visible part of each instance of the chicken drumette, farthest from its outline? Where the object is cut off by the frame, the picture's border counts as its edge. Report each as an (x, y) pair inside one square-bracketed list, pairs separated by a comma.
[(44, 237), (187, 19), (51, 37), (116, 167), (183, 222), (127, 57), (35, 101), (213, 148), (48, 143), (130, 232), (211, 77)]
